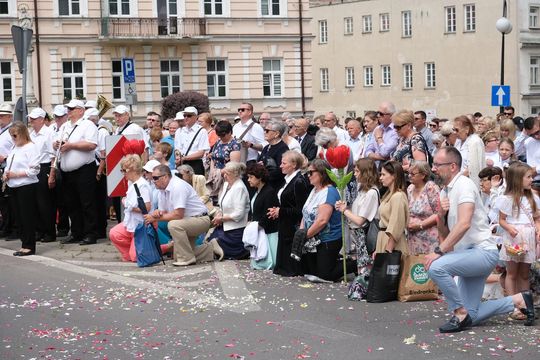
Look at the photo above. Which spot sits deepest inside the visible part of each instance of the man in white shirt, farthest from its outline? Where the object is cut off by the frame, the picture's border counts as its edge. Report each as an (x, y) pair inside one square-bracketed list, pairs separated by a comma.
[(78, 165), (60, 117), (43, 137), (127, 127), (466, 250), (250, 136), (187, 217), (330, 121), (191, 142), (353, 139), (6, 145)]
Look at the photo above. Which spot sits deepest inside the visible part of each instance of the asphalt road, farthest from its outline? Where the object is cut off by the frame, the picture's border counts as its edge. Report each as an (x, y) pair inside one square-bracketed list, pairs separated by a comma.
[(83, 303)]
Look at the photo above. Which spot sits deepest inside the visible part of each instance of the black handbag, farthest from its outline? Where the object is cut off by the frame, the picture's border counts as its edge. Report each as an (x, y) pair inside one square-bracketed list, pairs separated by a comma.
[(384, 277), (372, 231)]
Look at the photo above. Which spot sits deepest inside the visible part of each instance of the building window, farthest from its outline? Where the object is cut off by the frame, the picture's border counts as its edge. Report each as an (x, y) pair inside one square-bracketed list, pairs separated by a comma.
[(213, 7), (4, 7), (535, 110), (430, 76), (351, 114), (170, 77), (216, 78), (533, 16), (450, 12), (385, 22), (386, 79), (117, 80), (270, 7), (470, 17), (349, 77), (6, 82), (119, 7), (323, 31), (272, 77), (348, 25), (73, 78), (69, 7), (406, 24), (368, 76), (325, 82), (407, 76), (367, 25), (534, 70)]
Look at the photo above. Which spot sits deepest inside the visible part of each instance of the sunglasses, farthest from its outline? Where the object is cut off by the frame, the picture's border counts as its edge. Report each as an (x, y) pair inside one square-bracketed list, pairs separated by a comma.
[(188, 115), (398, 127), (156, 178), (379, 113), (311, 172), (507, 113), (432, 125), (242, 109), (268, 130)]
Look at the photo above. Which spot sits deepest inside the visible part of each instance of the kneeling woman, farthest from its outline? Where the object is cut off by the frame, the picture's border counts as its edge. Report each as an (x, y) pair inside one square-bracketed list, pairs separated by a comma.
[(323, 224), (122, 234)]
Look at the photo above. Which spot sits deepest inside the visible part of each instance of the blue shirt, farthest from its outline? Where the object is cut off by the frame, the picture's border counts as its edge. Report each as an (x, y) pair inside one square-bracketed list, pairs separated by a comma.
[(170, 140), (329, 195)]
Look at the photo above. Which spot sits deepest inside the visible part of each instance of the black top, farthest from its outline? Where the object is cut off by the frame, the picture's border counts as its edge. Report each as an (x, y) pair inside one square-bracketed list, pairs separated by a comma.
[(266, 198), (271, 158)]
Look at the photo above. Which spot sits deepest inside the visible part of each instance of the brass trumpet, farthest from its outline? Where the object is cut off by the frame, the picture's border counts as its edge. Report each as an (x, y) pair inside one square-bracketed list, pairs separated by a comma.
[(103, 105)]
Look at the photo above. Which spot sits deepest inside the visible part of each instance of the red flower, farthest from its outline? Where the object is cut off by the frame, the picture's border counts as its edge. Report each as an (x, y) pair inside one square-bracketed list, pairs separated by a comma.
[(133, 147), (338, 157)]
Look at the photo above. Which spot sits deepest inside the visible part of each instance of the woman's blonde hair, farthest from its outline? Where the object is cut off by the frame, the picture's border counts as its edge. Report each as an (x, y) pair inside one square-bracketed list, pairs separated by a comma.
[(132, 162), (19, 129), (508, 125), (237, 169)]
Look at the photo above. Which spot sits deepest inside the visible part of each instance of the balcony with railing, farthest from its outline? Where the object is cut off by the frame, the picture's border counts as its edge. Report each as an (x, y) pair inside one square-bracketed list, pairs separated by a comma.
[(153, 28)]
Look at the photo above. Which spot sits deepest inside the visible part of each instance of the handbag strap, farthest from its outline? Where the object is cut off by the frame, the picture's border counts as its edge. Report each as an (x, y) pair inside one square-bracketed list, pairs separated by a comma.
[(124, 128), (193, 140), (246, 131), (143, 209)]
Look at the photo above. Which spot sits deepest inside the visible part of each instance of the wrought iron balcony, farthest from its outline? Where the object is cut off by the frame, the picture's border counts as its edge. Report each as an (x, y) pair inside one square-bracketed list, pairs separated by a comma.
[(148, 28)]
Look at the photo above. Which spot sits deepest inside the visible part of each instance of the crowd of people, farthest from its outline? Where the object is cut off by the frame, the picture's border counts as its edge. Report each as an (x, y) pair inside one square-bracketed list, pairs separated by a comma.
[(463, 192)]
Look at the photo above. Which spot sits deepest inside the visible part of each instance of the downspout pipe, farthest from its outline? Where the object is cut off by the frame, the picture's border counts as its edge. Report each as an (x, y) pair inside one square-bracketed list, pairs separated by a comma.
[(38, 52), (302, 80)]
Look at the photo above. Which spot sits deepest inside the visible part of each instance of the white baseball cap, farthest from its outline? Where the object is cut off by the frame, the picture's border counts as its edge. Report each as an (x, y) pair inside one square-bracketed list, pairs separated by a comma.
[(150, 165), (90, 104), (91, 112), (74, 103), (120, 109), (60, 110), (37, 113), (6, 108), (191, 110), (179, 116)]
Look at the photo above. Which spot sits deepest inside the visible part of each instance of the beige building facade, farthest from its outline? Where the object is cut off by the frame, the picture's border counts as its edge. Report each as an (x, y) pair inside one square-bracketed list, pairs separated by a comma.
[(439, 56), (231, 50)]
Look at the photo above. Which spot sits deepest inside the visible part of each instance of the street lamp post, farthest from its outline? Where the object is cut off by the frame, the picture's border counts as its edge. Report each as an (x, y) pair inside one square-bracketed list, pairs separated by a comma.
[(504, 26)]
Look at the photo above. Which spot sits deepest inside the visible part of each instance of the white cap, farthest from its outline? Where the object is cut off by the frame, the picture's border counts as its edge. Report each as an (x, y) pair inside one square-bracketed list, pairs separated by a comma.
[(191, 110), (179, 116), (150, 165), (6, 108), (91, 112), (90, 104), (37, 113), (60, 110), (120, 109), (74, 103)]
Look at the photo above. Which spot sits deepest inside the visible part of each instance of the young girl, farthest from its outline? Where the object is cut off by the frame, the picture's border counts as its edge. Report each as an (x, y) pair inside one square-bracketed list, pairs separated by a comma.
[(491, 143), (506, 151), (520, 218)]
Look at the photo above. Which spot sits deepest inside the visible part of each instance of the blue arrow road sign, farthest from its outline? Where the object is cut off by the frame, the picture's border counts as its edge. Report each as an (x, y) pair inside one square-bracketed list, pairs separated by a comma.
[(500, 95), (128, 67)]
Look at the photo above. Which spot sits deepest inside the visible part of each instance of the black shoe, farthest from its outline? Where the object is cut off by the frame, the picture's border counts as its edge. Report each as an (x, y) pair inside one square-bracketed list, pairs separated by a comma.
[(88, 241), (70, 240), (529, 310), (23, 253), (454, 325), (48, 238), (62, 233)]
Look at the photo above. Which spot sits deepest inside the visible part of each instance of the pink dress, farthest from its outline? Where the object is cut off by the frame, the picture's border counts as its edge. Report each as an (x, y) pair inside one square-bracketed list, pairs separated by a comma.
[(420, 208)]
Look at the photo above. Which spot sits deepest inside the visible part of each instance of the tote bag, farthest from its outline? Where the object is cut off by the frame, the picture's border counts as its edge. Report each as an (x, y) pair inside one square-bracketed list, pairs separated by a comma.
[(384, 278), (415, 284)]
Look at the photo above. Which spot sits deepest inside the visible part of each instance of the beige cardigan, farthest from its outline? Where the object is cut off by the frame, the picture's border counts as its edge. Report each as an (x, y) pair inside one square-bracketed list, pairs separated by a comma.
[(234, 203)]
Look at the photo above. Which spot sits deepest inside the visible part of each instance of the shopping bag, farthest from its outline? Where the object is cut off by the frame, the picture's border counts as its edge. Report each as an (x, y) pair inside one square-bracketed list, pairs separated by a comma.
[(415, 284), (384, 277), (145, 245)]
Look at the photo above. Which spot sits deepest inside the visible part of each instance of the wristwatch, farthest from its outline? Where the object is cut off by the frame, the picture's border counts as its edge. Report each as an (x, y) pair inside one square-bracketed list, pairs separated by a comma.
[(438, 251)]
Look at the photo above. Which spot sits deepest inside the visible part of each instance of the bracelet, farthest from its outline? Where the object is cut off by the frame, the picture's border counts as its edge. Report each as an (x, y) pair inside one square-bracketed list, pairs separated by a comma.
[(421, 226)]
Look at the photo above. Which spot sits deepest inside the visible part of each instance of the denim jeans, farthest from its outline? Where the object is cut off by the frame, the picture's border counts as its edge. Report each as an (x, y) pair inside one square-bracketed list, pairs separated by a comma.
[(472, 266)]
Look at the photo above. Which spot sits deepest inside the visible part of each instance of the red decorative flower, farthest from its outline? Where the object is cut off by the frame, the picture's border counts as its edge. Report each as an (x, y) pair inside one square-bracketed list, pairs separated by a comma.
[(338, 157), (133, 147)]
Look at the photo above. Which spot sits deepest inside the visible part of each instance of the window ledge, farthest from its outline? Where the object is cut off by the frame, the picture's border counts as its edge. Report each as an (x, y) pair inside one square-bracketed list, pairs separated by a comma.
[(469, 31), (386, 85), (449, 33), (368, 86), (406, 88), (430, 88)]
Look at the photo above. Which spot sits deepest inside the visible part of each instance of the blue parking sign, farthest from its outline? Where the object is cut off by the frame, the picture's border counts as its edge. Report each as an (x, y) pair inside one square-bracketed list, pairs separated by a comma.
[(128, 68), (500, 95)]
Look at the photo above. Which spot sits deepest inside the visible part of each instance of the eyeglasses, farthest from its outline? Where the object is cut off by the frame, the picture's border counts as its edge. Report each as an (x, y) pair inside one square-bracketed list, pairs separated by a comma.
[(413, 174), (188, 115), (398, 127), (433, 125), (311, 172), (379, 113), (242, 109), (508, 113), (156, 178), (491, 140), (438, 165), (268, 130)]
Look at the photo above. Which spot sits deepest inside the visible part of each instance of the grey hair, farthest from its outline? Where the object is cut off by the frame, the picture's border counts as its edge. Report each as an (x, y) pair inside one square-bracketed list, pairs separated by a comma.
[(235, 168), (325, 136), (186, 168), (422, 167), (447, 128), (437, 137), (278, 126), (163, 170)]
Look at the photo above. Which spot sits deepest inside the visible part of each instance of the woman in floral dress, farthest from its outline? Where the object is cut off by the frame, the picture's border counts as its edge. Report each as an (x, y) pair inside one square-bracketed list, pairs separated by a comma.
[(423, 195), (224, 150)]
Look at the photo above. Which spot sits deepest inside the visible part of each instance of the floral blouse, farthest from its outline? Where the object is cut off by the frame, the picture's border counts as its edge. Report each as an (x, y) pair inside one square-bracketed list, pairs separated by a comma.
[(405, 147), (221, 153)]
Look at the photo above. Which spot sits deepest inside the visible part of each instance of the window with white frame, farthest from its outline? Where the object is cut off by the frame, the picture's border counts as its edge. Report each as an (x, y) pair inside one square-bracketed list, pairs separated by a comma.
[(117, 80), (169, 78), (450, 16), (348, 22), (534, 11), (213, 7), (119, 7), (406, 24), (73, 79), (430, 76), (349, 77), (325, 81), (4, 7), (534, 67), (367, 25), (407, 76), (386, 79), (216, 78), (272, 77), (69, 7), (384, 22), (323, 31), (469, 11), (368, 76), (270, 7), (351, 114), (535, 110), (6, 82)]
